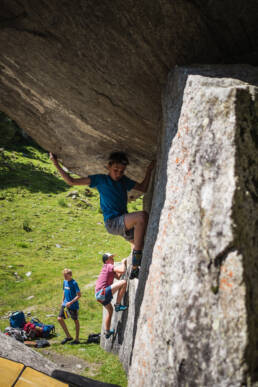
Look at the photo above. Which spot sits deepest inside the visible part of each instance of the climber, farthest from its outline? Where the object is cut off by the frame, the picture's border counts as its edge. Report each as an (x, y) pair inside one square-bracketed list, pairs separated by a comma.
[(113, 189), (105, 288)]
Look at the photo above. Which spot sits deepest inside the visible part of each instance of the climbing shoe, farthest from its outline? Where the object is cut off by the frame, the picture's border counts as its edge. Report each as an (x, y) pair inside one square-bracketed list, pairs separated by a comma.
[(120, 308), (134, 273), (109, 333)]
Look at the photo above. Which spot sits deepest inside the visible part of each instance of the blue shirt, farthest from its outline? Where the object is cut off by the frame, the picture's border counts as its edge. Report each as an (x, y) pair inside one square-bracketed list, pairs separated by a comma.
[(71, 289), (113, 194)]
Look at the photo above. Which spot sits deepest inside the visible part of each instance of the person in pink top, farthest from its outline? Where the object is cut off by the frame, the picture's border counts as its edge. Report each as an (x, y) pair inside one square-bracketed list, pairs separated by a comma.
[(105, 288)]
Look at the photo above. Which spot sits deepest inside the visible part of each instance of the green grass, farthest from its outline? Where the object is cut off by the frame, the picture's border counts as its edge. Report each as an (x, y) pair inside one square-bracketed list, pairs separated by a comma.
[(43, 231)]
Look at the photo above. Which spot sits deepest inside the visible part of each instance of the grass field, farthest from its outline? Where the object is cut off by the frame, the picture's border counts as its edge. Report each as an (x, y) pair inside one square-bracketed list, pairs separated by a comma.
[(42, 231)]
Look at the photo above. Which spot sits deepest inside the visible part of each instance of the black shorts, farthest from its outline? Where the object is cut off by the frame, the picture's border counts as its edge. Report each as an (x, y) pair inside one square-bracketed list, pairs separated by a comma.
[(73, 313)]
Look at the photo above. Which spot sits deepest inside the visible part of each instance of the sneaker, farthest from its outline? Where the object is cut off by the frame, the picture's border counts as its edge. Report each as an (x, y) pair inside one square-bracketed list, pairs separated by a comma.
[(134, 273), (74, 342), (66, 340), (120, 308), (109, 333)]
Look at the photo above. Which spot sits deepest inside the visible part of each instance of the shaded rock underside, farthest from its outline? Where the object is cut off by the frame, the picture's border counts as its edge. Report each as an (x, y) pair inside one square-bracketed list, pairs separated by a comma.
[(84, 78)]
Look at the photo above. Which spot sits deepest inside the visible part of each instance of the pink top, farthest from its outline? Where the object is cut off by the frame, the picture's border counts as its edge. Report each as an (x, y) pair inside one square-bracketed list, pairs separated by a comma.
[(106, 277)]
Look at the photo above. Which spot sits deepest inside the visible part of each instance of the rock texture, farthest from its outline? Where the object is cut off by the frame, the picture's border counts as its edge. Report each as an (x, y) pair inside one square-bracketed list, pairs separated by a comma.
[(14, 350), (84, 78), (199, 315)]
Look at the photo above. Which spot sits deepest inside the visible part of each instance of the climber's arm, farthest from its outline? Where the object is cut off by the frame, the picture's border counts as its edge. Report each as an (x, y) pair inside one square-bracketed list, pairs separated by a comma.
[(143, 186), (120, 269), (67, 178)]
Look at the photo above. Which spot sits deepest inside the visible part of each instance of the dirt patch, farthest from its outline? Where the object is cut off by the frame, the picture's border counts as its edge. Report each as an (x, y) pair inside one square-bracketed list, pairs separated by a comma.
[(70, 363)]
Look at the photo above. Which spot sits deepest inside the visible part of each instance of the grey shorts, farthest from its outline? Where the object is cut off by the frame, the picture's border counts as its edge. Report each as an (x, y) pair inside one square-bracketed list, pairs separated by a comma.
[(116, 226)]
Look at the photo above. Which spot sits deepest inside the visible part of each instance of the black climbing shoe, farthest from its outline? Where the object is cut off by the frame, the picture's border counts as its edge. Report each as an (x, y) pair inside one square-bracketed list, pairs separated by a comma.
[(134, 273)]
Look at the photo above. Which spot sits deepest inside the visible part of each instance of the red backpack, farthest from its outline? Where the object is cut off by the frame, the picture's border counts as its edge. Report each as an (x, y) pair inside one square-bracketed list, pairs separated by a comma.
[(31, 330)]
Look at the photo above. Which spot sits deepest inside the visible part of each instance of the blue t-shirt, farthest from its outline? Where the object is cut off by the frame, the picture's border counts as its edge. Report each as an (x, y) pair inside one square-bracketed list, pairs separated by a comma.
[(71, 289), (113, 194)]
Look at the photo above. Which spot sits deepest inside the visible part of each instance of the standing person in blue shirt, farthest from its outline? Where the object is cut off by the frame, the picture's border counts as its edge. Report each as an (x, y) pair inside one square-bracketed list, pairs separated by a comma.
[(71, 296), (113, 201)]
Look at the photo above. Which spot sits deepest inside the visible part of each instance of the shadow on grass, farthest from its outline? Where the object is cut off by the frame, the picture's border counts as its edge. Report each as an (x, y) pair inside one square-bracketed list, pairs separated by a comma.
[(78, 380), (17, 174)]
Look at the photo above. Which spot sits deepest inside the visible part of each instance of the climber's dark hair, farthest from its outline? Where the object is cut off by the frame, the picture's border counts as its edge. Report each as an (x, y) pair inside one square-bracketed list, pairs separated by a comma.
[(118, 158)]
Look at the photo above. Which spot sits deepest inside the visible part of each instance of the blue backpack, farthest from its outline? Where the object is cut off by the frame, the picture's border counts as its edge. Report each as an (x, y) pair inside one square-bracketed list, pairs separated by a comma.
[(48, 330), (17, 319)]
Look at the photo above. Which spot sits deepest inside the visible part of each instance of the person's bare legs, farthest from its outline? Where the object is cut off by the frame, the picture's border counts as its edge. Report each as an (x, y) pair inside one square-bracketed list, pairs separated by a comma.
[(77, 329), (63, 325), (119, 286), (138, 221), (109, 309)]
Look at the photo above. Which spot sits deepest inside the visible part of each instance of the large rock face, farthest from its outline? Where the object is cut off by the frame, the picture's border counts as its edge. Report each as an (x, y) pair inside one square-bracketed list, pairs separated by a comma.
[(199, 315), (85, 78)]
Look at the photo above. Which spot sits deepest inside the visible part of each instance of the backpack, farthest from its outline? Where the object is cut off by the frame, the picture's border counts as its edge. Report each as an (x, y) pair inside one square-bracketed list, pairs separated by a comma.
[(17, 319), (47, 330), (94, 338), (31, 330)]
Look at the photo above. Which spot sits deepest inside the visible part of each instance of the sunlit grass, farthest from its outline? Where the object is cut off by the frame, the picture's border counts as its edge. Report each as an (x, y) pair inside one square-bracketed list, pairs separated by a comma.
[(43, 231)]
